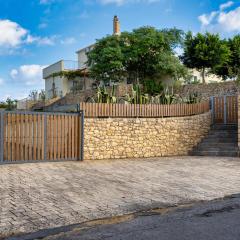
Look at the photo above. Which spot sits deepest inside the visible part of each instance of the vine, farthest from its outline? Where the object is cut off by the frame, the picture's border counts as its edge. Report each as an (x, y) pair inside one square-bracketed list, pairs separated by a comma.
[(70, 74)]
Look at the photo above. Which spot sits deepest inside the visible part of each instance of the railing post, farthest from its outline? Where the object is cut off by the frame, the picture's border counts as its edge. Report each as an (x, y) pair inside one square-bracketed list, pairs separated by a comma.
[(45, 137), (225, 109), (1, 136), (81, 134)]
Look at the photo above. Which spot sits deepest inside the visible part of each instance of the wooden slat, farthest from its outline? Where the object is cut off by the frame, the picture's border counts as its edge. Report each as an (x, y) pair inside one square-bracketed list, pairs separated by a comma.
[(17, 140), (73, 138), (22, 136), (34, 137), (69, 137), (25, 117), (39, 136), (66, 137), (30, 137), (42, 138), (62, 138), (49, 137), (55, 133)]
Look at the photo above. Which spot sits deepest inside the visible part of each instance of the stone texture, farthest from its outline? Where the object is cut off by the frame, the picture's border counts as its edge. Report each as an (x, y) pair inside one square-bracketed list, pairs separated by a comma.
[(37, 196), (82, 96), (143, 137), (211, 89)]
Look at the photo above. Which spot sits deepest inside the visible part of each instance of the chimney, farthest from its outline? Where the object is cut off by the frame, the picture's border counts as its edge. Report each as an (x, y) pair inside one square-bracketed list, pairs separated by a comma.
[(116, 26)]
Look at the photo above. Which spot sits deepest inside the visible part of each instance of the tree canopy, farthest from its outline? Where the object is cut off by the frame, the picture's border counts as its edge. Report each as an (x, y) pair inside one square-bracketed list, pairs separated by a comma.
[(205, 51), (231, 68), (143, 53)]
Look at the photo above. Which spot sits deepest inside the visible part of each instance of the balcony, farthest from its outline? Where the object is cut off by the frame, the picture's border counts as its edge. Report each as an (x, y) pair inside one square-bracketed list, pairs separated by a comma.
[(63, 65)]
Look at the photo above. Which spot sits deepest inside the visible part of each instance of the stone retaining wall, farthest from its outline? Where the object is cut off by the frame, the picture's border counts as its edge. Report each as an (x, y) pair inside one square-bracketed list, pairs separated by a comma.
[(143, 137), (211, 89)]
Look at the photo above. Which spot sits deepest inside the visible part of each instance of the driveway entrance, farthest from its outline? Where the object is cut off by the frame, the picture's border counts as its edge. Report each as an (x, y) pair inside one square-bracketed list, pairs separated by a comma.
[(37, 196)]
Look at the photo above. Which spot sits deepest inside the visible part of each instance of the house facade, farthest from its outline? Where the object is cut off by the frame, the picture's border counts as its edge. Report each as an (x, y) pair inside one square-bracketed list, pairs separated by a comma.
[(57, 85)]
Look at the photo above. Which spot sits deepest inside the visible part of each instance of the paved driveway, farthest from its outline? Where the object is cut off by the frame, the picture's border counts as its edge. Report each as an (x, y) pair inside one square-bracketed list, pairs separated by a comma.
[(44, 195)]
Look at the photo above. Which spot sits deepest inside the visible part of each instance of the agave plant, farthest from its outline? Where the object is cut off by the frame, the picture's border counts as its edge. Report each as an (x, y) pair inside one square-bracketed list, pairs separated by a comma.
[(104, 97), (193, 98)]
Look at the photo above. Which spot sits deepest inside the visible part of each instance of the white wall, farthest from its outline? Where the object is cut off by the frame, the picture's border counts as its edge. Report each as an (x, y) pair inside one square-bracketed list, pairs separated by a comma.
[(54, 68), (61, 85), (82, 56), (209, 77)]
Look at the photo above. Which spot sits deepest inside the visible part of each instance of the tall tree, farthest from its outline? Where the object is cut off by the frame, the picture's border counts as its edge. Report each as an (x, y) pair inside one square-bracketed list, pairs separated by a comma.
[(234, 45), (146, 49), (205, 52), (106, 59), (231, 68), (143, 53)]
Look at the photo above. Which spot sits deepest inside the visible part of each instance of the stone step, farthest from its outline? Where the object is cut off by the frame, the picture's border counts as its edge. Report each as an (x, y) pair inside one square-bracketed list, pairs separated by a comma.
[(216, 148), (217, 144), (224, 127), (223, 132), (222, 137), (215, 153), (221, 141)]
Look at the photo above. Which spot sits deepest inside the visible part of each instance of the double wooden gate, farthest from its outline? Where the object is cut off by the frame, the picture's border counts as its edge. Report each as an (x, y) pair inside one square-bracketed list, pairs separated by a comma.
[(28, 136), (224, 109)]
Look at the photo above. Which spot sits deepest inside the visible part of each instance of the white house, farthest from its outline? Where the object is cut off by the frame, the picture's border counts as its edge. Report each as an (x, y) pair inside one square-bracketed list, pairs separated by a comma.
[(57, 85)]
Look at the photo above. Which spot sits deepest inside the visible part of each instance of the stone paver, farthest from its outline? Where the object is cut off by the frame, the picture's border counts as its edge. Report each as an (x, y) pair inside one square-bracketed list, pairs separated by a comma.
[(45, 195)]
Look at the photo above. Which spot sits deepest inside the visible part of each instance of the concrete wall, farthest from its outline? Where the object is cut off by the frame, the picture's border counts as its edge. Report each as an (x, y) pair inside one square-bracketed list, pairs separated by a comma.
[(56, 67), (61, 85), (143, 137), (82, 56), (209, 78)]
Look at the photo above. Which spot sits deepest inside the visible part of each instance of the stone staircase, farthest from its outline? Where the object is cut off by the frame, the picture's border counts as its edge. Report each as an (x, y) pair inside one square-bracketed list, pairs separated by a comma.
[(221, 141)]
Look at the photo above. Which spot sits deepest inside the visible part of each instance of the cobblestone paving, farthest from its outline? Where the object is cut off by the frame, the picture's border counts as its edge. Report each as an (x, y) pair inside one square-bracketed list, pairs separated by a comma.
[(45, 195)]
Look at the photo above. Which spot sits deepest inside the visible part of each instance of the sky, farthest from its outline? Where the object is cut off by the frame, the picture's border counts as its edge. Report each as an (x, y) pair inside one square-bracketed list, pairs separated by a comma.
[(37, 33)]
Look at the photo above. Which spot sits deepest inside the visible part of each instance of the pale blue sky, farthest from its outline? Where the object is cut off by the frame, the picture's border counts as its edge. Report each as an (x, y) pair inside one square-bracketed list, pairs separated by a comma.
[(36, 33)]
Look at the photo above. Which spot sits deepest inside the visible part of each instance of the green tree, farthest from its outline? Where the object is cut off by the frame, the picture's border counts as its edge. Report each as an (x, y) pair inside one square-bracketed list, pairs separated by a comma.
[(231, 68), (11, 104), (149, 52), (205, 52), (106, 59), (144, 53)]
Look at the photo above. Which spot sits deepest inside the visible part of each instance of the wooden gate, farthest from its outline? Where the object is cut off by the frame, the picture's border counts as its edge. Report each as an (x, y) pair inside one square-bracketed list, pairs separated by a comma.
[(225, 109), (30, 136)]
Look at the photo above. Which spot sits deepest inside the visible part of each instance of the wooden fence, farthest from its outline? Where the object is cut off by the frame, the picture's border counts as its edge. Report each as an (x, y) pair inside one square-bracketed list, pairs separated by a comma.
[(142, 110), (40, 136)]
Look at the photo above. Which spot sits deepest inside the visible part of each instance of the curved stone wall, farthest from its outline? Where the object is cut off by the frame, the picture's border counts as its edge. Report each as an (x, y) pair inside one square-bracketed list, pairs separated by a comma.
[(108, 138)]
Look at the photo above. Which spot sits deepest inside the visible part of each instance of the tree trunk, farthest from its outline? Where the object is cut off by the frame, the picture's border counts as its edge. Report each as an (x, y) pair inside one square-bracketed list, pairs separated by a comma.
[(203, 76)]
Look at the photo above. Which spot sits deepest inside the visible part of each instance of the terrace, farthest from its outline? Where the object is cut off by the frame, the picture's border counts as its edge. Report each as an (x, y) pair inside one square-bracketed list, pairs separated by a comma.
[(62, 65)]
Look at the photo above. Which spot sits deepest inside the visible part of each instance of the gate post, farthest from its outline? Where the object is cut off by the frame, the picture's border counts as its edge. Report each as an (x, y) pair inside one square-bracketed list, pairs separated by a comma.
[(81, 134), (1, 136), (225, 109)]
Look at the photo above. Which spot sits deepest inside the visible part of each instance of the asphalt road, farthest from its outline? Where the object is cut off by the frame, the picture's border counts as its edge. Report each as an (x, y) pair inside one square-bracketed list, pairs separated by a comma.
[(212, 220)]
